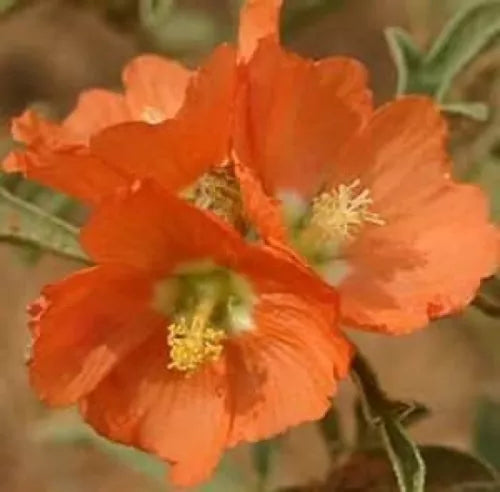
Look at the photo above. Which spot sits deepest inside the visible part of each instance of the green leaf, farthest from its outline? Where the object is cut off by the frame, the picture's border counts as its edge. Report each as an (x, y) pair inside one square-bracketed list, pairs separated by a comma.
[(472, 31), (408, 412), (154, 13), (69, 430), (408, 60), (488, 297), (487, 431), (329, 426), (302, 13), (136, 460), (474, 110), (405, 457), (49, 201), (448, 470), (6, 5), (175, 29), (26, 224), (45, 198), (486, 174), (262, 457), (407, 463), (227, 477), (186, 30)]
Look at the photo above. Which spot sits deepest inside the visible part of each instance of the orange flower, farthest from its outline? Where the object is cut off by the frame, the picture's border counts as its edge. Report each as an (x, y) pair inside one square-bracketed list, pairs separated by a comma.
[(154, 91), (365, 196), (185, 340), (176, 153)]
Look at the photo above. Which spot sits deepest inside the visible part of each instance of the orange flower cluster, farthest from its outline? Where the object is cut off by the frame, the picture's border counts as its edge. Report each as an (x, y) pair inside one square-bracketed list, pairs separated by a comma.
[(230, 207)]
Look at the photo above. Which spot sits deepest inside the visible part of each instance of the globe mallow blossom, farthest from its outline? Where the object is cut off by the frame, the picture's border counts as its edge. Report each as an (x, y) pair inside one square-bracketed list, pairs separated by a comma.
[(154, 91), (180, 122), (366, 196), (184, 340)]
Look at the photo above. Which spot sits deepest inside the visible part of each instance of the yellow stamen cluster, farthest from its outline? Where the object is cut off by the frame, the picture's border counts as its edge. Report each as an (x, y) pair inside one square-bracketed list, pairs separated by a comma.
[(337, 215), (219, 192), (194, 341)]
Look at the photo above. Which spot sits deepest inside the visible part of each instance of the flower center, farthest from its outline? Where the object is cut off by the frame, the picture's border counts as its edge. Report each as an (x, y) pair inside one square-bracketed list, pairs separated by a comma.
[(196, 340), (341, 212), (152, 115), (206, 305), (218, 191), (336, 216)]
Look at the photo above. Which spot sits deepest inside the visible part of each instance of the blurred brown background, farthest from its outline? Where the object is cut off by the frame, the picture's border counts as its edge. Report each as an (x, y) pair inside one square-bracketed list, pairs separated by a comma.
[(49, 51)]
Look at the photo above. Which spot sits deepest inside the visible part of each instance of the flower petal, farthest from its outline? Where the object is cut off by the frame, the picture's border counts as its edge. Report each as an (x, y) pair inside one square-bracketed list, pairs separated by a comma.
[(54, 158), (183, 420), (153, 81), (258, 19), (33, 130), (400, 155), (414, 269), (294, 116), (83, 326), (277, 269), (76, 174), (187, 420), (153, 230), (262, 210), (178, 151), (285, 371), (96, 109)]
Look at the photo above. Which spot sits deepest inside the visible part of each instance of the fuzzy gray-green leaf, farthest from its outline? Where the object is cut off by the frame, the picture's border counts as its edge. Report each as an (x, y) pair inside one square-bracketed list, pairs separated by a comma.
[(471, 32), (407, 463), (405, 457), (24, 223), (467, 35), (407, 58), (473, 110)]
